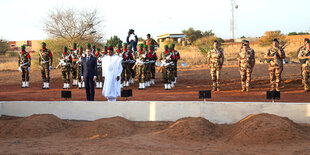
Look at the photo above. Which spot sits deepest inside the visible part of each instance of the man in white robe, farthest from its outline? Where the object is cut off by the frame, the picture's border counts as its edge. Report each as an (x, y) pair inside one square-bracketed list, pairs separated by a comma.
[(111, 73)]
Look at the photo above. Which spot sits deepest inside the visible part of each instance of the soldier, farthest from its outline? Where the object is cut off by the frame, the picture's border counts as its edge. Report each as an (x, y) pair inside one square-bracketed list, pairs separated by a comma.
[(244, 63), (24, 63), (105, 52), (119, 51), (303, 47), (140, 58), (77, 65), (176, 56), (304, 57), (166, 62), (274, 57), (172, 67), (65, 64), (126, 74), (93, 50), (252, 59), (147, 67), (99, 57), (74, 53), (131, 64), (215, 60), (153, 59), (46, 62)]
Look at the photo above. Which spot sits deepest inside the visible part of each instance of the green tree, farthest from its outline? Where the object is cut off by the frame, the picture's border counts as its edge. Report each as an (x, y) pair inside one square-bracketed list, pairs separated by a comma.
[(3, 46), (292, 33), (114, 41), (192, 35), (269, 36), (208, 33), (204, 44), (303, 33)]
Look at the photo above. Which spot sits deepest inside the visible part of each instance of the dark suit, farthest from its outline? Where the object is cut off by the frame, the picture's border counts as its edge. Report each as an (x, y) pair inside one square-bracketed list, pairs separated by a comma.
[(88, 71)]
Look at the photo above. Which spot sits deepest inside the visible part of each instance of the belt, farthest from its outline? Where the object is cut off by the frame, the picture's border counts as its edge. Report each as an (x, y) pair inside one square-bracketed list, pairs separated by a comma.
[(24, 64), (44, 62)]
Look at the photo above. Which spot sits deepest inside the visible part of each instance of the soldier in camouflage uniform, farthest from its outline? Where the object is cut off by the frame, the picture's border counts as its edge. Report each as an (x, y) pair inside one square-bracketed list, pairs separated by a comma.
[(215, 60), (46, 62), (126, 73), (99, 57), (172, 68), (153, 59), (74, 53), (304, 57), (131, 63), (78, 60), (303, 47), (140, 58), (245, 59), (176, 58), (166, 63), (274, 57), (147, 67), (24, 63), (65, 64)]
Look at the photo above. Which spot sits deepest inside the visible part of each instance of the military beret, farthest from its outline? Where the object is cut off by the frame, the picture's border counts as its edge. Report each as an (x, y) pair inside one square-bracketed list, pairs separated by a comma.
[(105, 46), (81, 47), (98, 49), (151, 45), (23, 46), (276, 40), (129, 45), (215, 41), (65, 46), (172, 44), (141, 44), (166, 46), (43, 43), (93, 45), (145, 46), (88, 44), (125, 44), (117, 45), (74, 43)]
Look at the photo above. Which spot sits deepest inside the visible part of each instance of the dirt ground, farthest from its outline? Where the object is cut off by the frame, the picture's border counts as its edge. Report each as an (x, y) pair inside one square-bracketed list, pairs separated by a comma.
[(191, 79), (256, 134)]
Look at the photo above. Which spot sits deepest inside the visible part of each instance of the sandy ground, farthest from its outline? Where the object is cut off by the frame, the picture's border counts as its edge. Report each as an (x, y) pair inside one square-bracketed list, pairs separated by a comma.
[(191, 79), (257, 134)]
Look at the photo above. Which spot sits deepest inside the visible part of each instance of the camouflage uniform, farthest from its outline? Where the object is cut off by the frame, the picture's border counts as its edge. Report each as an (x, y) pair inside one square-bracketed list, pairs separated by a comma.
[(165, 58), (245, 67), (215, 60), (99, 57), (305, 68), (140, 58), (303, 47), (74, 56), (65, 64), (24, 63), (275, 67), (153, 59), (45, 61)]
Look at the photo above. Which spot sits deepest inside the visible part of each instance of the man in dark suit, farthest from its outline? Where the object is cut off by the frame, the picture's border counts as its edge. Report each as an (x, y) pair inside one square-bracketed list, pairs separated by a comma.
[(89, 74)]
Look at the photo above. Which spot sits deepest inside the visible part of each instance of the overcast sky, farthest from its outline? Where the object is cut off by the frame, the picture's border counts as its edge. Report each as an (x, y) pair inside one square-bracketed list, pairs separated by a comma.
[(22, 19)]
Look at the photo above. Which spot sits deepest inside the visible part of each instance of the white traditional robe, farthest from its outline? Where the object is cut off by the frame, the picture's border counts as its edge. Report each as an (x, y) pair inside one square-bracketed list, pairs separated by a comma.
[(111, 68)]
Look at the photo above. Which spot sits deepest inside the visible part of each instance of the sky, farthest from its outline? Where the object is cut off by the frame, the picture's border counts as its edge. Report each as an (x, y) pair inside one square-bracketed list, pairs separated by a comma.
[(23, 19)]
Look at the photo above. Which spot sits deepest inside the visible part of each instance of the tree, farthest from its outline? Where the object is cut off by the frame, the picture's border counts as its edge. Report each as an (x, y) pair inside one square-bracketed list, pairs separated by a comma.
[(303, 33), (192, 35), (269, 36), (292, 33), (114, 41), (3, 46), (204, 44), (73, 25), (208, 33)]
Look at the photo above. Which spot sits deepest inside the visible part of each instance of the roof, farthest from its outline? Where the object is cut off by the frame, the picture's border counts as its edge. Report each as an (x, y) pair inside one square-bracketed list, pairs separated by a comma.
[(172, 36)]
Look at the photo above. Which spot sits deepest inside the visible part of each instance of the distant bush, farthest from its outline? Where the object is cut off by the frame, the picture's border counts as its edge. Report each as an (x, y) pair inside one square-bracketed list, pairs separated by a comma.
[(11, 54), (269, 36), (3, 46), (204, 44)]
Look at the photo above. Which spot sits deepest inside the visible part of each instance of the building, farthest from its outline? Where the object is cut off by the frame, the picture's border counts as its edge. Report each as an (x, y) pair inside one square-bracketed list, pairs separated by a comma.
[(172, 38), (31, 45)]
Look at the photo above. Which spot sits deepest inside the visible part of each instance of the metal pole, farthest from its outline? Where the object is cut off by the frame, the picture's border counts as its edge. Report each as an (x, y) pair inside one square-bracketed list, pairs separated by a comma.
[(232, 26)]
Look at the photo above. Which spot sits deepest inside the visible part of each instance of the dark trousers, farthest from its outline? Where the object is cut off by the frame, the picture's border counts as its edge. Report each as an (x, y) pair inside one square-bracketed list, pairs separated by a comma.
[(89, 87)]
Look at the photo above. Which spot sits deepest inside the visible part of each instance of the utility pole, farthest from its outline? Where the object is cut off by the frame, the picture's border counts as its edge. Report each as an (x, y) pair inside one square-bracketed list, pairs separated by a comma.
[(232, 21)]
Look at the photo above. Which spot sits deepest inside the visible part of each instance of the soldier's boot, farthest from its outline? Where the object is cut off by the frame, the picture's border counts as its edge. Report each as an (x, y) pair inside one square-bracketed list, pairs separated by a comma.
[(122, 86), (27, 84), (73, 82), (97, 85), (169, 86), (65, 86), (47, 85), (68, 85), (148, 83), (166, 86), (175, 80), (80, 85), (172, 84), (23, 84), (143, 85), (127, 84), (44, 85), (132, 80), (83, 84), (152, 81), (140, 86), (100, 84), (242, 86), (214, 86), (218, 86)]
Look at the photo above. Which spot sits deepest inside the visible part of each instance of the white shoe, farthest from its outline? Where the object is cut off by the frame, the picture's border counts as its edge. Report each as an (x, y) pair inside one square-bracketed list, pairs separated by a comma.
[(169, 86), (149, 83), (65, 86), (97, 85), (143, 85), (100, 84), (127, 84), (166, 86), (23, 84), (132, 80), (80, 84), (172, 84), (122, 86), (83, 84), (27, 84), (175, 80), (44, 85), (68, 85), (47, 85), (140, 86)]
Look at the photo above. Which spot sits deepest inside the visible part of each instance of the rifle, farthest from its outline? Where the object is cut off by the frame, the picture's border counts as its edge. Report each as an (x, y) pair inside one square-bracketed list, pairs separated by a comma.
[(303, 61)]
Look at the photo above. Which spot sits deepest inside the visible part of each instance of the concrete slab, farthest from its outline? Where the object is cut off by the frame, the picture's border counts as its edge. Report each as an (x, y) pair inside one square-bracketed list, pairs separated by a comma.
[(216, 112)]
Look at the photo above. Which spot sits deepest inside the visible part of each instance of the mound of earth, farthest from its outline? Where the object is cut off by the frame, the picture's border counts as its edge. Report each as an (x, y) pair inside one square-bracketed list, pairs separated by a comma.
[(38, 125), (266, 128), (105, 127), (193, 128)]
